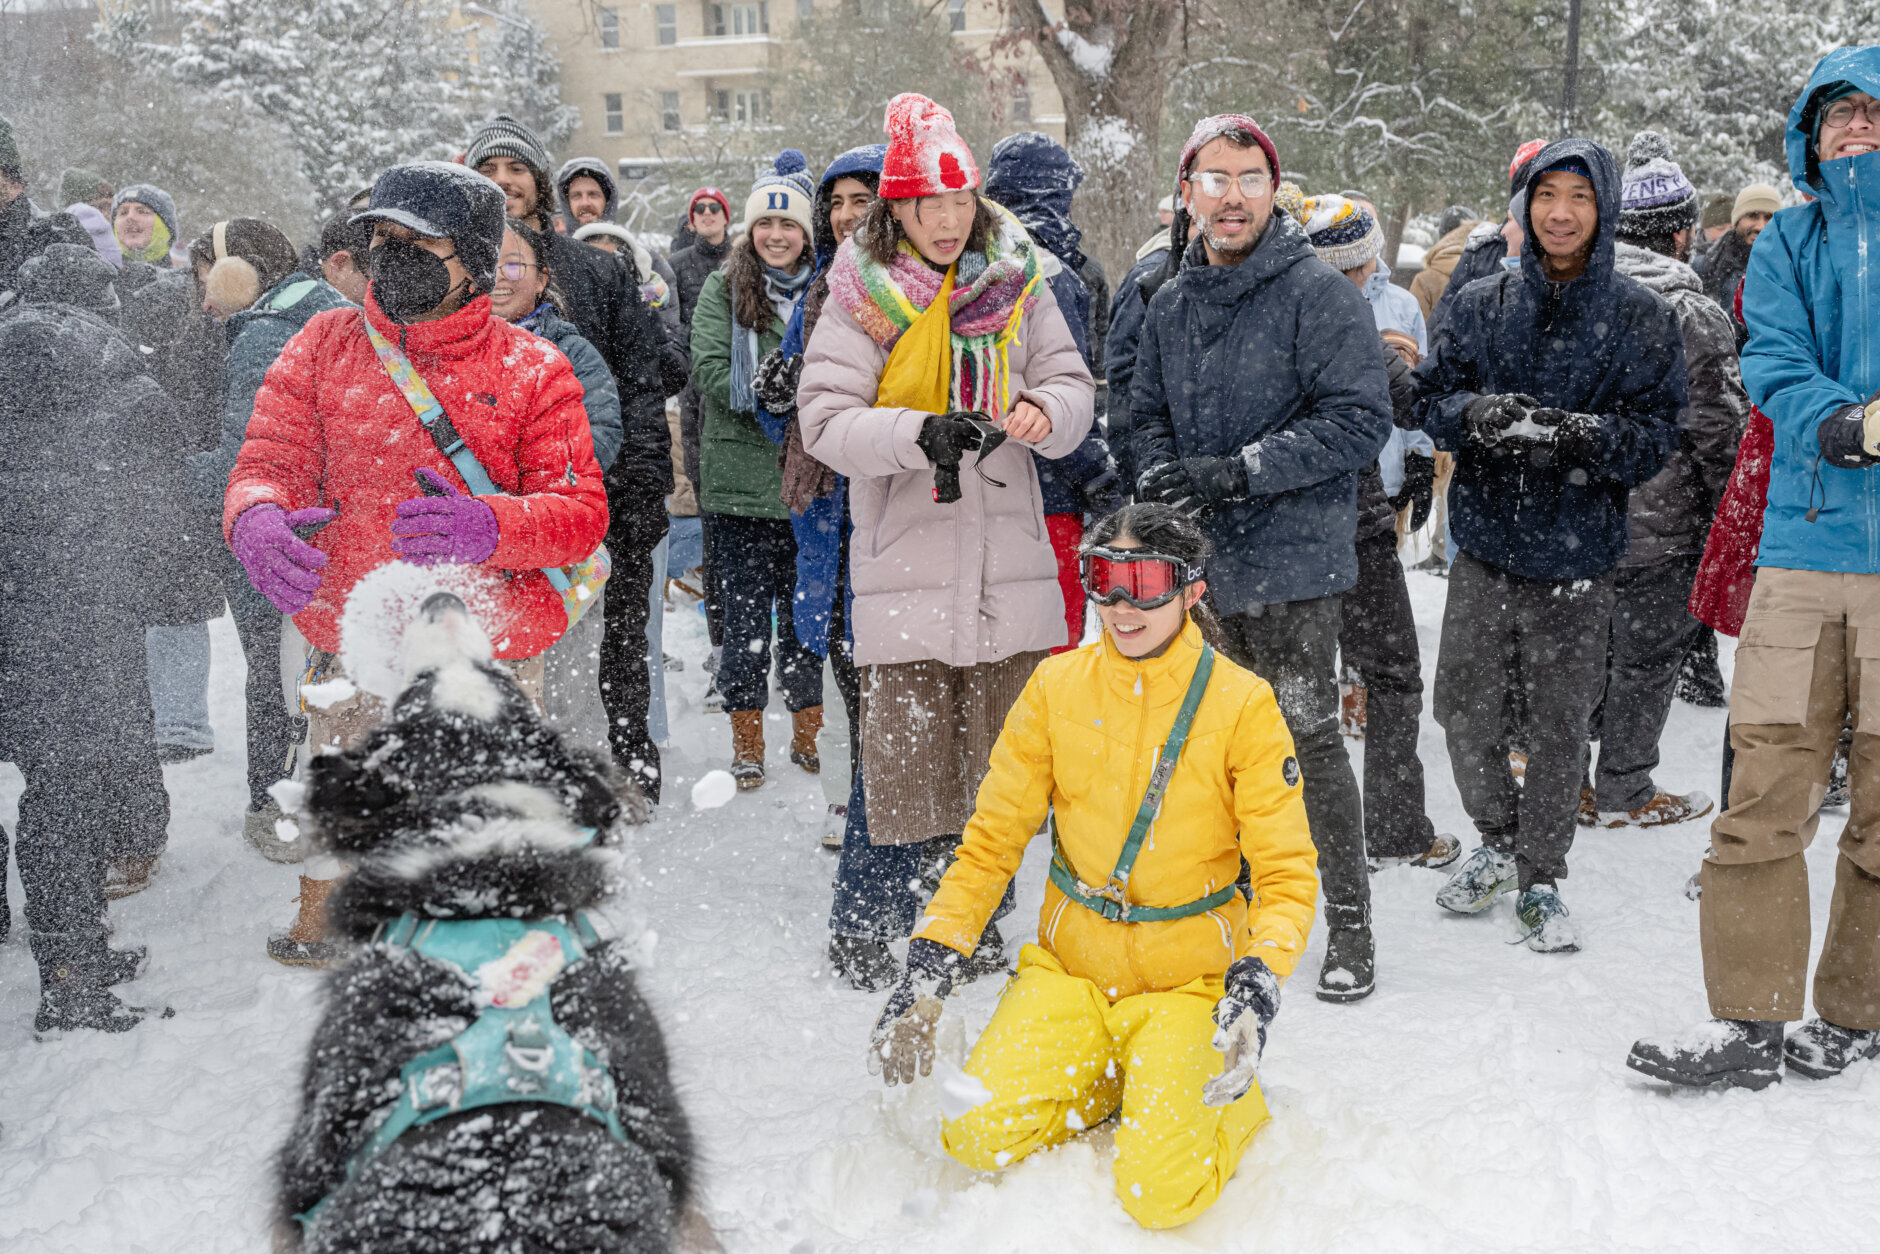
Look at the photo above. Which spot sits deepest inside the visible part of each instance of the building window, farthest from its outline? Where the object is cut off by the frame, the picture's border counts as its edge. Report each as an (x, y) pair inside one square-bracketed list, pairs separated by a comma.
[(721, 105), (666, 21), (610, 28), (740, 21), (610, 104), (668, 110), (1021, 102), (751, 108), (956, 14)]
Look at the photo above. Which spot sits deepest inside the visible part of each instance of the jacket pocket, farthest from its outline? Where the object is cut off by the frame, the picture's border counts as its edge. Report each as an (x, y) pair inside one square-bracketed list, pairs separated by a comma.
[(1775, 668)]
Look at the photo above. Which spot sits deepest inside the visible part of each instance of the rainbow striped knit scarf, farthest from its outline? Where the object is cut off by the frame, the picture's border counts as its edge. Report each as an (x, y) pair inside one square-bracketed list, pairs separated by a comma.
[(992, 291)]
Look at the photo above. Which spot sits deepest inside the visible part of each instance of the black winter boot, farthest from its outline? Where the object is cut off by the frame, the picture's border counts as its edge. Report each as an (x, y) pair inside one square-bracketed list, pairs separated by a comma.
[(1741, 1053), (1820, 1050), (868, 966), (1350, 970), (76, 971), (1700, 683)]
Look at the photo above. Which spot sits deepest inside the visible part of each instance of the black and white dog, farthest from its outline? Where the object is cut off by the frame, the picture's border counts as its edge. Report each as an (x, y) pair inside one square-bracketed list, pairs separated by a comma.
[(464, 805)]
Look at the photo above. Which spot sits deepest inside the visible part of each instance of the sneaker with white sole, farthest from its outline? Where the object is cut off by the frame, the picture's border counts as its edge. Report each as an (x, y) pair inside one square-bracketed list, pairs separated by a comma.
[(1483, 876), (1546, 926), (1664, 809)]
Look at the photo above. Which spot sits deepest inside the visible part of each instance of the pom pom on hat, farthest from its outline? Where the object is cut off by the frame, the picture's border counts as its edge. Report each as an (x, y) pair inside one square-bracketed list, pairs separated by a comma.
[(785, 192), (926, 156), (1655, 199)]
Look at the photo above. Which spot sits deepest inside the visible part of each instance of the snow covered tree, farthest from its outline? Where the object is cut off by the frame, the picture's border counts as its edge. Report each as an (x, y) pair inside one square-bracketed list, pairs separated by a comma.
[(507, 51)]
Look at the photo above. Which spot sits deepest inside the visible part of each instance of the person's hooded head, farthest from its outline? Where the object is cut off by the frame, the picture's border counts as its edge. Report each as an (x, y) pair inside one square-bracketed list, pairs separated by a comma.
[(585, 192), (237, 261), (509, 154), (143, 218), (1032, 175), (99, 228), (437, 230), (854, 178), (1571, 205), (70, 274)]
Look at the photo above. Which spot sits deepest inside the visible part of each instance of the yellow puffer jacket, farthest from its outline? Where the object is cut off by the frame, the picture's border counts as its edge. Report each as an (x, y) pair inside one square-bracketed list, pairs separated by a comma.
[(1083, 738)]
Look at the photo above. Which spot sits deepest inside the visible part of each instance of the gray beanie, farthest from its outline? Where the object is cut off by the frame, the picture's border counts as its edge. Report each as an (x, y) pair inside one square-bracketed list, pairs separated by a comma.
[(504, 136), (153, 198)]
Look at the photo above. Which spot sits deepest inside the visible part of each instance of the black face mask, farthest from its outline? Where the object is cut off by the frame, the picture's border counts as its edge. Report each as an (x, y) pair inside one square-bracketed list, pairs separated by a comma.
[(407, 281)]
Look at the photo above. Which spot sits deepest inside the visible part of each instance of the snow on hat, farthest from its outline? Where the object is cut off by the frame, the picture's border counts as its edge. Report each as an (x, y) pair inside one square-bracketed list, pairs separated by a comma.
[(783, 193), (441, 200), (1570, 165), (926, 156), (1210, 129), (1655, 199), (1518, 168), (1342, 233), (708, 193), (504, 136), (1756, 198)]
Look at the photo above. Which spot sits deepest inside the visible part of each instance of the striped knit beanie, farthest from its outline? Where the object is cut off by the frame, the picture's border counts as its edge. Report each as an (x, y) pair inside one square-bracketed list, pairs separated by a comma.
[(1343, 234), (504, 136), (785, 192), (1655, 199)]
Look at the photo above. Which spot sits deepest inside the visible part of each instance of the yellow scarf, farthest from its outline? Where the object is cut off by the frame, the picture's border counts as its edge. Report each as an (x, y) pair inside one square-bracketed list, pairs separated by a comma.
[(155, 251)]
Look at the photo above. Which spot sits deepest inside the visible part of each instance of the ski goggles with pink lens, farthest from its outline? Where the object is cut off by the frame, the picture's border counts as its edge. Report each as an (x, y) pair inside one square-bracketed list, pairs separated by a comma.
[(1138, 576)]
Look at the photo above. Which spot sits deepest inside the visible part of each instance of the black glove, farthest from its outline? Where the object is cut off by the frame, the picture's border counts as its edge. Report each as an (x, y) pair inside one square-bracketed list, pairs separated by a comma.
[(1193, 483), (1403, 391), (1574, 435), (1486, 417), (1249, 1000), (946, 438), (1842, 436), (775, 382), (1419, 487), (902, 1042)]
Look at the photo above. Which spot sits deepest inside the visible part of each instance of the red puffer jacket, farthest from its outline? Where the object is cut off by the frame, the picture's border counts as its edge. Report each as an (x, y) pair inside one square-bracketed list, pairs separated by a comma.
[(1720, 597), (331, 429)]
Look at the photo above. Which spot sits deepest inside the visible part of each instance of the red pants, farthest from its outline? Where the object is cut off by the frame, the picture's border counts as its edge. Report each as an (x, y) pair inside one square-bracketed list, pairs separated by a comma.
[(1067, 532)]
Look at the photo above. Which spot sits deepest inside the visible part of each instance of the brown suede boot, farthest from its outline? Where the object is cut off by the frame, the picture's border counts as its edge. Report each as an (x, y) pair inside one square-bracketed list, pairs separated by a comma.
[(308, 943), (747, 748), (805, 725)]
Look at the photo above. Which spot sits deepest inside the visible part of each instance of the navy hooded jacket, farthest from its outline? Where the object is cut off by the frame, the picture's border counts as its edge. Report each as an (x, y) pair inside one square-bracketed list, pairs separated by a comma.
[(1031, 175), (1601, 344), (1274, 361)]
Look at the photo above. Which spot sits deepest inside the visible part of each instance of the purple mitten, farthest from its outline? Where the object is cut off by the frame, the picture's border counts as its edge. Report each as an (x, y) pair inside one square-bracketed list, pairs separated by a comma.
[(450, 527), (283, 568)]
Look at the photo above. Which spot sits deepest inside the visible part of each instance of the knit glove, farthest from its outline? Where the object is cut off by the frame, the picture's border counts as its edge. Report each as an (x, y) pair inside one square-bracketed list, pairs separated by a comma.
[(1195, 483), (804, 478), (1419, 488), (282, 566), (1486, 418), (775, 381), (443, 525), (902, 1042), (1248, 1003), (1849, 438), (1574, 435)]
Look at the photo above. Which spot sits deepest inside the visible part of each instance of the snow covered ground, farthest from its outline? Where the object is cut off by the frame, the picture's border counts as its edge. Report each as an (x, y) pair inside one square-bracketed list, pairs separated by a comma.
[(1477, 1101)]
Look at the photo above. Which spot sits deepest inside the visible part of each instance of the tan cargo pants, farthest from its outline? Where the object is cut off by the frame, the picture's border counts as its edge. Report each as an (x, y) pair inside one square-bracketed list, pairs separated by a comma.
[(1800, 664)]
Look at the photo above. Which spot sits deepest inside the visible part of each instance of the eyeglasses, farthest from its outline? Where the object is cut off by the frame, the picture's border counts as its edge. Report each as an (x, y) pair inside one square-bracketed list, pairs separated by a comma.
[(1214, 183), (707, 206), (512, 270), (1841, 112), (1144, 579)]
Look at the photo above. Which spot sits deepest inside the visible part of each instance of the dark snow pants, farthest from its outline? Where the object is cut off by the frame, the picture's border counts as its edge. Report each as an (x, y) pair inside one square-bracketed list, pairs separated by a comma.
[(1552, 636), (273, 729), (1294, 647), (626, 685), (75, 717), (1652, 630), (754, 568), (1378, 639)]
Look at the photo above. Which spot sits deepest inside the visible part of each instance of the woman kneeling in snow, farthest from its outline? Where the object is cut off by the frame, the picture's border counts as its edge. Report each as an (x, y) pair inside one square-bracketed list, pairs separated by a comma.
[(1153, 979)]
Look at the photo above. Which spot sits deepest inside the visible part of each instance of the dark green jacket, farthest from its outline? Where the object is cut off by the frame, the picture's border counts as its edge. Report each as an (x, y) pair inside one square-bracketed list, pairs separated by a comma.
[(738, 464)]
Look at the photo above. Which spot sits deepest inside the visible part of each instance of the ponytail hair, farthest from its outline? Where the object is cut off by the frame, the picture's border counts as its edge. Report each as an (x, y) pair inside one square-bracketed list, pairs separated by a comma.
[(1162, 528)]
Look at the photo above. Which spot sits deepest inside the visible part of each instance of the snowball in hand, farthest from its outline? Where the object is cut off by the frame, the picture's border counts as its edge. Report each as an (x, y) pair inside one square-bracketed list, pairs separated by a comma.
[(715, 789)]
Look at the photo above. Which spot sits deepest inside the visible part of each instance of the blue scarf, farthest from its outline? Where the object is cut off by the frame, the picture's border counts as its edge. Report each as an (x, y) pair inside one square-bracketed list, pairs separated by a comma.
[(783, 289)]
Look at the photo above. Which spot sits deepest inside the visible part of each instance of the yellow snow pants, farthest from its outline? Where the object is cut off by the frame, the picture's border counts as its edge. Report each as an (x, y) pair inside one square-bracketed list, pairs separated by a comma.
[(1059, 1057)]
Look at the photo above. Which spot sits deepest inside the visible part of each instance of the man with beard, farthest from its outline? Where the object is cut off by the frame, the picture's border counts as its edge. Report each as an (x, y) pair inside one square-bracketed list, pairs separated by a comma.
[(1259, 395), (603, 301)]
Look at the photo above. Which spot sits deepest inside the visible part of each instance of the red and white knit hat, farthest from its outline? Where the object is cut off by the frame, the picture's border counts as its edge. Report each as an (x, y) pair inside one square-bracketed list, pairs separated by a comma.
[(926, 156)]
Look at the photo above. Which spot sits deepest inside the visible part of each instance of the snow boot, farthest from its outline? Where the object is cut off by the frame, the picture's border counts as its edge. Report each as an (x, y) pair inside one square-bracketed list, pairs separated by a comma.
[(1589, 809), (125, 877), (1700, 683), (1662, 810), (1820, 1050), (1741, 1053), (673, 665), (1546, 926), (75, 971), (835, 827), (747, 749), (308, 943), (714, 702), (1836, 798), (805, 725), (1350, 969), (868, 966), (120, 966), (1443, 850), (1517, 765), (263, 829), (988, 957), (1351, 710), (1483, 876)]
